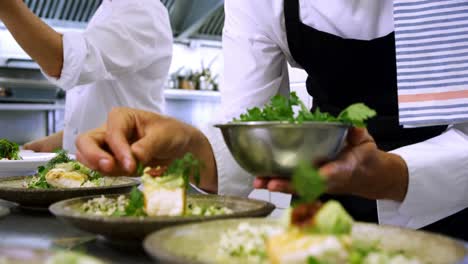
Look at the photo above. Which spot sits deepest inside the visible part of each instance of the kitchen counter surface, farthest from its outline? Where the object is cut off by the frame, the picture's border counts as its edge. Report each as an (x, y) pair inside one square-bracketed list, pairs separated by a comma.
[(43, 230)]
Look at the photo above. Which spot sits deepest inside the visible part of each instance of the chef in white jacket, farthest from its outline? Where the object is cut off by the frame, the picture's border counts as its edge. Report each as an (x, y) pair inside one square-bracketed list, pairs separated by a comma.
[(121, 59), (419, 177)]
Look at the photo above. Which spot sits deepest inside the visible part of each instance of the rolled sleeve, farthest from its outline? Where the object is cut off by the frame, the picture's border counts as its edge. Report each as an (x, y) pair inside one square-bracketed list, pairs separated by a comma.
[(438, 181), (232, 179), (74, 55)]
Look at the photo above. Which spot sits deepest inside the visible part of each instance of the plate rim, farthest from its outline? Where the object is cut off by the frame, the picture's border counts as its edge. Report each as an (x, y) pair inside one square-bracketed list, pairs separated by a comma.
[(161, 254), (132, 182), (58, 209)]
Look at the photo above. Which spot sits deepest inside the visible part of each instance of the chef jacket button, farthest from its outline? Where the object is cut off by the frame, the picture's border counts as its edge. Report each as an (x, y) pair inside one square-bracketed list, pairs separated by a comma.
[(75, 131)]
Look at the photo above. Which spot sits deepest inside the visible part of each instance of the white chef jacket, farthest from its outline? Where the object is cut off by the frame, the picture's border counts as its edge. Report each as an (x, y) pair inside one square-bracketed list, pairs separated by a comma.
[(121, 59), (256, 54)]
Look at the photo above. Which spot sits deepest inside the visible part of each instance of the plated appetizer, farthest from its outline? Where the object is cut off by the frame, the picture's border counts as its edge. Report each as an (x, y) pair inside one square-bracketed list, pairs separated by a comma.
[(64, 172), (164, 193), (9, 150), (58, 179), (162, 200), (309, 233)]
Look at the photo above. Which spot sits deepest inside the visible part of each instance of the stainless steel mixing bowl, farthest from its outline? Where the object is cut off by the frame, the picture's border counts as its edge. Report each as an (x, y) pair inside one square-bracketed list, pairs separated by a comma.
[(275, 148)]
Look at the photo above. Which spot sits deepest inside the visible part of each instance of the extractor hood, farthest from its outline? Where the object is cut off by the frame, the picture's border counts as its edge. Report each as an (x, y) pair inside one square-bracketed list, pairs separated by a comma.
[(190, 19)]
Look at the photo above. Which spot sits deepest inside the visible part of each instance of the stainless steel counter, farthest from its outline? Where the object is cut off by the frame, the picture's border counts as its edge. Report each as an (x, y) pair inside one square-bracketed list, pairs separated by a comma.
[(42, 230)]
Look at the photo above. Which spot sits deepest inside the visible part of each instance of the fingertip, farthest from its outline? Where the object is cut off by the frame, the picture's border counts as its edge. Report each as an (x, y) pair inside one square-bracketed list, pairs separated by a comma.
[(106, 165), (260, 183)]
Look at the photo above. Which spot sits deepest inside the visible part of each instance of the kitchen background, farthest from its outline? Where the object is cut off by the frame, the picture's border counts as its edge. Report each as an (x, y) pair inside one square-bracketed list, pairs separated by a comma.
[(31, 107)]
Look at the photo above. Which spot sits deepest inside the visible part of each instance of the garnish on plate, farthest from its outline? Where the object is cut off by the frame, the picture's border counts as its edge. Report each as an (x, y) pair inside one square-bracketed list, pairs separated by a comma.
[(64, 172), (281, 108), (9, 150), (163, 193)]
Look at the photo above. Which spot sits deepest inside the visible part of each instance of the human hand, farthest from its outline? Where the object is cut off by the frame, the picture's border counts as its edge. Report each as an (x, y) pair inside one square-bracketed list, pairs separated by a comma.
[(361, 169), (46, 144), (132, 136)]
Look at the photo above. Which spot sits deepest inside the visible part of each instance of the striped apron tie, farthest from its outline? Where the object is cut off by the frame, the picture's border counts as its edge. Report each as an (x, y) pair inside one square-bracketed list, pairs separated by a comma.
[(432, 61)]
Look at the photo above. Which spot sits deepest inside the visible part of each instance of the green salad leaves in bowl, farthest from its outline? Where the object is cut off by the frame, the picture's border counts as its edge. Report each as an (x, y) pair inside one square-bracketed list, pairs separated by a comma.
[(271, 141)]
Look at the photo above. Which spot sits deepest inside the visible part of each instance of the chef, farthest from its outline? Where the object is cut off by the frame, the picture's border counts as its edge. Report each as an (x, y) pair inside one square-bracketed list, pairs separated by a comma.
[(121, 59), (419, 176)]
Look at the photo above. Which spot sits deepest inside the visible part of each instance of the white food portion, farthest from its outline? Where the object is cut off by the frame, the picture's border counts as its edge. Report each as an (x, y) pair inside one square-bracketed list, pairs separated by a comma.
[(164, 202), (247, 242), (61, 178), (329, 248)]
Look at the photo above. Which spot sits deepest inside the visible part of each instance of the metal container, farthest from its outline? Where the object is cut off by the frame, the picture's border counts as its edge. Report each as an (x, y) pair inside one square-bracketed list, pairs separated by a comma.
[(269, 149)]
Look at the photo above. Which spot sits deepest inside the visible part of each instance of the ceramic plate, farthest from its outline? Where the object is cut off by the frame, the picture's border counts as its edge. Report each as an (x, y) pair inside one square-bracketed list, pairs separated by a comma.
[(23, 255), (199, 243), (27, 166), (136, 228), (12, 189)]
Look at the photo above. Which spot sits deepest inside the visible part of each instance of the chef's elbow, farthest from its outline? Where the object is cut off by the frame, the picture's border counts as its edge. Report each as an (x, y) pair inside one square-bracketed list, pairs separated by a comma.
[(53, 69)]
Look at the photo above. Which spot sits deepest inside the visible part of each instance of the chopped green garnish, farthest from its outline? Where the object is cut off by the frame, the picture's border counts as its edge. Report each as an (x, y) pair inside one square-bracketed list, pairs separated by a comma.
[(140, 169), (332, 218), (307, 181), (312, 260), (186, 166), (136, 203), (9, 150), (281, 109)]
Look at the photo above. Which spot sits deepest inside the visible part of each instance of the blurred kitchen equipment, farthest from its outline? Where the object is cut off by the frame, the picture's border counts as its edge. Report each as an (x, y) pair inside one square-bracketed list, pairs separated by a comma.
[(275, 148)]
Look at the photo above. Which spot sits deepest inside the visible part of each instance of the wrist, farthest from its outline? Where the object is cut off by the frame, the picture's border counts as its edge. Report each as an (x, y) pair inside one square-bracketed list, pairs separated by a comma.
[(201, 148), (396, 174)]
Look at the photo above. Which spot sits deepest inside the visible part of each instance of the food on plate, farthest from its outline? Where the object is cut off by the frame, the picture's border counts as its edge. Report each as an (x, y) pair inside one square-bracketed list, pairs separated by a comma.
[(9, 150), (311, 233), (163, 193), (64, 172), (71, 257), (282, 109)]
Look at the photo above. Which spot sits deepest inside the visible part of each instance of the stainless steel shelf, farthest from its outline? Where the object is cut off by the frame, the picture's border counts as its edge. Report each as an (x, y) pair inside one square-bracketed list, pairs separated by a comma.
[(177, 94), (30, 107)]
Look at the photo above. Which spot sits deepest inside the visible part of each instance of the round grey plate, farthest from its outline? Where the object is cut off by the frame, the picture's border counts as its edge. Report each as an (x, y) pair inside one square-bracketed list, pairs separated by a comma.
[(25, 255), (4, 211), (115, 228), (199, 243), (12, 189)]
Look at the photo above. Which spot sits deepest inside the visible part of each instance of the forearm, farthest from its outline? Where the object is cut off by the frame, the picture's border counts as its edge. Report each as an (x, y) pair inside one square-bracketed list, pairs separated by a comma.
[(40, 41), (47, 144), (201, 148)]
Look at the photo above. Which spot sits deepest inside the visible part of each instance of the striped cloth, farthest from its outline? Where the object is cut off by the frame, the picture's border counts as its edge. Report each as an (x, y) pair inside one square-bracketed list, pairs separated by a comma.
[(432, 61)]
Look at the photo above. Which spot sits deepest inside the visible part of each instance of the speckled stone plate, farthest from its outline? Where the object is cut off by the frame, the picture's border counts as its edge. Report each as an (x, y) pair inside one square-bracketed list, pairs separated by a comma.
[(4, 211), (12, 189), (199, 243), (25, 255), (115, 228)]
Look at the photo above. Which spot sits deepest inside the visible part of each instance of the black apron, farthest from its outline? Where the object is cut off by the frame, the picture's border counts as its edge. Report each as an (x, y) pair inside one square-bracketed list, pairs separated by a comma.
[(345, 71)]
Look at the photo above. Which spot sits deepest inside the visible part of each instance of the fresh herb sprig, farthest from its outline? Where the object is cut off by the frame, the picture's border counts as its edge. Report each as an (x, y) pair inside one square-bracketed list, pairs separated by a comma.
[(136, 203), (308, 182), (282, 109), (9, 150), (187, 166)]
